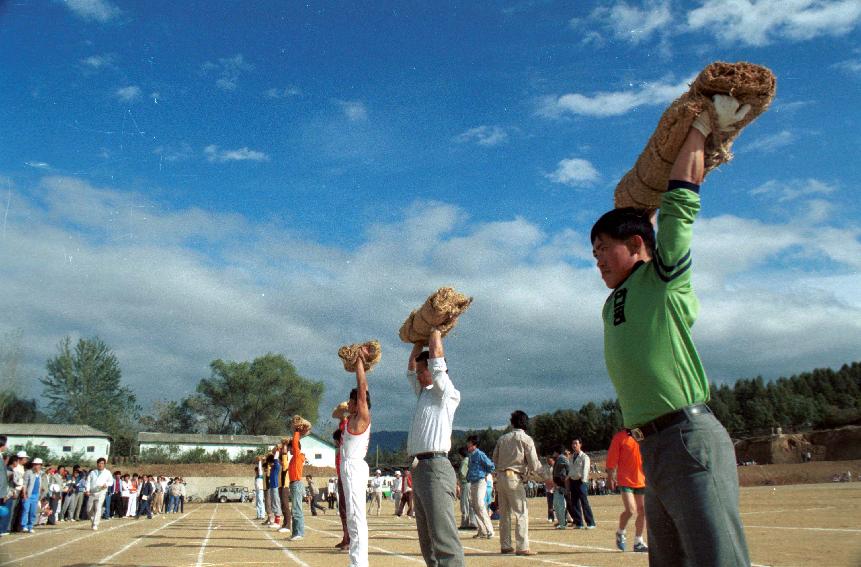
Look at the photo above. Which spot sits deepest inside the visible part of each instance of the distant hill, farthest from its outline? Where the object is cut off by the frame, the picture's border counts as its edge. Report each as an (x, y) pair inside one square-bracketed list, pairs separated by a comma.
[(396, 440)]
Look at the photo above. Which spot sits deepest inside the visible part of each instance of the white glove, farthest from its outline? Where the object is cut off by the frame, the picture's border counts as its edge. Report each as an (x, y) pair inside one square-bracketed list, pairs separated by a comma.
[(728, 113)]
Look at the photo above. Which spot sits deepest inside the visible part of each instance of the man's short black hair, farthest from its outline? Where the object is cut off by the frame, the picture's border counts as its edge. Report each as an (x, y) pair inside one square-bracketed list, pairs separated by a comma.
[(423, 357), (462, 451), (101, 460), (622, 224), (559, 449), (3, 440), (519, 419), (354, 395), (472, 439)]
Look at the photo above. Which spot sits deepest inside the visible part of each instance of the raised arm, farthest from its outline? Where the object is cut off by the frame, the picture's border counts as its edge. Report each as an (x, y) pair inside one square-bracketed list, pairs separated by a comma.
[(363, 414), (435, 344), (417, 350)]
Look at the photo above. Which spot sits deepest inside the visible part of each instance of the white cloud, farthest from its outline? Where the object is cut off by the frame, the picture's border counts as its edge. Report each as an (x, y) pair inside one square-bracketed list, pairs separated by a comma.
[(603, 104), (354, 110), (286, 92), (483, 135), (228, 70), (177, 153), (793, 189), (574, 172), (760, 22), (171, 289), (37, 164), (98, 61), (772, 142), (850, 66), (128, 94), (98, 10), (214, 154), (632, 23)]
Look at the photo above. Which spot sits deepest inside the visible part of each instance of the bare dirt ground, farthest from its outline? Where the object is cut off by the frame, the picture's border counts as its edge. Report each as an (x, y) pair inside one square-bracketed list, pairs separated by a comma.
[(817, 525)]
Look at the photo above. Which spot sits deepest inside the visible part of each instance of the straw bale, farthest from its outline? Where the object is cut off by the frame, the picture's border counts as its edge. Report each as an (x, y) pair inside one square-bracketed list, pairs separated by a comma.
[(340, 411), (350, 354), (751, 84), (441, 310), (301, 424)]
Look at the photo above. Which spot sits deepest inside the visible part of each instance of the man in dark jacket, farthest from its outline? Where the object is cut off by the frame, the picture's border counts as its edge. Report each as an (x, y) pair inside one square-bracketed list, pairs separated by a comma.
[(145, 493), (561, 471)]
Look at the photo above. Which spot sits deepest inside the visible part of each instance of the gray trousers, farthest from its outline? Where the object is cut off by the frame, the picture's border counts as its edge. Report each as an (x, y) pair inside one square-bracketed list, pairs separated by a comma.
[(467, 515), (692, 496), (434, 493)]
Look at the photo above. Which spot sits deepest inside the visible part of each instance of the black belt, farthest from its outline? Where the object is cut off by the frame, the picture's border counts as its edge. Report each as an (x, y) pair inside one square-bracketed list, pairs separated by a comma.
[(431, 455), (667, 420)]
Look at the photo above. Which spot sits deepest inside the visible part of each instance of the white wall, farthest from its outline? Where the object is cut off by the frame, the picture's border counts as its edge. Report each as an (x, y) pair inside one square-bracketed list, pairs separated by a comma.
[(310, 446), (101, 446)]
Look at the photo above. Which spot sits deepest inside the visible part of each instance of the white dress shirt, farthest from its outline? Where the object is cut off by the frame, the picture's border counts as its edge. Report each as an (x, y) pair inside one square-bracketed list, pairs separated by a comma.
[(434, 415), (99, 480), (580, 467)]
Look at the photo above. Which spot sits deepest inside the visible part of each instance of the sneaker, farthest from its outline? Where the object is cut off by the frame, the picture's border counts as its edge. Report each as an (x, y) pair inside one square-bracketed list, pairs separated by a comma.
[(282, 530), (590, 527), (621, 539), (297, 538), (478, 535), (561, 527), (95, 528), (640, 548)]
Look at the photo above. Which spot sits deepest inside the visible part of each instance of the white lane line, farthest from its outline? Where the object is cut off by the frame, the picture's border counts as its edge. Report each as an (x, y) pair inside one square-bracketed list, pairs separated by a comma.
[(206, 539), (847, 530), (42, 531), (286, 551), (71, 541), (138, 539), (575, 546), (374, 547)]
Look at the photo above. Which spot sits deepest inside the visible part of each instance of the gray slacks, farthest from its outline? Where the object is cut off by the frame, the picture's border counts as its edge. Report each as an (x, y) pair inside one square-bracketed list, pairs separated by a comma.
[(434, 494), (692, 496)]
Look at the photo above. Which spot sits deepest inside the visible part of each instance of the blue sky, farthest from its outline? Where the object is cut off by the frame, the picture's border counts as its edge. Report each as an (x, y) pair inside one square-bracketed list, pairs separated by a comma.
[(192, 181)]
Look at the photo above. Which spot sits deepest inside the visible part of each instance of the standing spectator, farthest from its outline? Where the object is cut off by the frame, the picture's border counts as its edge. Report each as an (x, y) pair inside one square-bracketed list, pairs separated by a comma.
[(117, 496), (134, 486), (96, 488), (283, 454), (145, 492), (332, 492), (5, 490), (18, 485), (158, 495), (165, 495), (625, 467), (480, 466), (578, 488), (183, 492), (175, 490), (376, 492), (313, 495), (515, 456), (467, 514), (125, 492), (258, 489), (549, 486), (396, 490), (109, 496), (561, 470), (34, 490), (80, 489), (407, 495), (70, 495), (55, 480)]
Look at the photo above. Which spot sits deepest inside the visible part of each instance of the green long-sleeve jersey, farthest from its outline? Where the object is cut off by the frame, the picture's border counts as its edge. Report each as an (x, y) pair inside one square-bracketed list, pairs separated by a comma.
[(648, 348)]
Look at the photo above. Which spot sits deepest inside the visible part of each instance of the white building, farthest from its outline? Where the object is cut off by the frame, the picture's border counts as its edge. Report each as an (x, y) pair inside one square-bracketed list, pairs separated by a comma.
[(318, 453), (60, 439)]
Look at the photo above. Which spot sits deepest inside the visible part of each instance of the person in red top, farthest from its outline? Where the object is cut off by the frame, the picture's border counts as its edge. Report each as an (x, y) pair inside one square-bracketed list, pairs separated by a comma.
[(297, 487), (625, 469)]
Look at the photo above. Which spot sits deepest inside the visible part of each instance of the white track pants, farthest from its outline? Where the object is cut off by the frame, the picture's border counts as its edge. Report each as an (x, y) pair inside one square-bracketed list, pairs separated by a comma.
[(354, 477)]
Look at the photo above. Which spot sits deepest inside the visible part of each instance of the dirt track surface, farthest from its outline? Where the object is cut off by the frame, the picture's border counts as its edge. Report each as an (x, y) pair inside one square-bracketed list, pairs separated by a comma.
[(786, 526)]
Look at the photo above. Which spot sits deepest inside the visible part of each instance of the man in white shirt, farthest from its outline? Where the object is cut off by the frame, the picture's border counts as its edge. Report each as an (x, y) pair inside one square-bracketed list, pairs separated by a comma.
[(376, 492), (578, 488), (97, 485), (428, 443)]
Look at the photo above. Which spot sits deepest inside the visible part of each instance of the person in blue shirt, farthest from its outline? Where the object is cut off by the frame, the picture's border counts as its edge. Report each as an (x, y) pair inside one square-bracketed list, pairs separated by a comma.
[(479, 467)]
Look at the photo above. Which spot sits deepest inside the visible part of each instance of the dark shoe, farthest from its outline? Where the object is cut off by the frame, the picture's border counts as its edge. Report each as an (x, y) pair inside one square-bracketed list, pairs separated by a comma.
[(507, 551), (640, 548)]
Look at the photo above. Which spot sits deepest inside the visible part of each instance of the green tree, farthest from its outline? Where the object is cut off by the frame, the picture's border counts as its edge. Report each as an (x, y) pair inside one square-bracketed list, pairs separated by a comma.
[(170, 417), (83, 385), (258, 397)]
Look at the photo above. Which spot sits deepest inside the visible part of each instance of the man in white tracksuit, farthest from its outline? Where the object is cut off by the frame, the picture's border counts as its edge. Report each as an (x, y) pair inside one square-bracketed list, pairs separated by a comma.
[(354, 469), (98, 482)]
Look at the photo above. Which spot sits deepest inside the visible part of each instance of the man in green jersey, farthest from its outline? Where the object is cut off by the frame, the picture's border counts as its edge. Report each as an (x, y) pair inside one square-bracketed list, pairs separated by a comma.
[(688, 458)]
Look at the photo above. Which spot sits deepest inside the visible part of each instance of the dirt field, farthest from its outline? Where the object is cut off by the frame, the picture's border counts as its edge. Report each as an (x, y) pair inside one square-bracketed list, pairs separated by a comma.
[(817, 525)]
